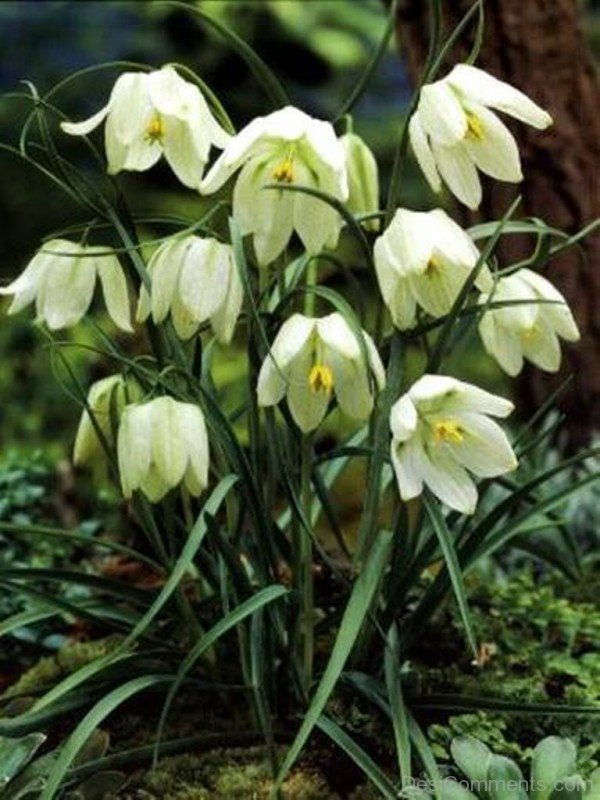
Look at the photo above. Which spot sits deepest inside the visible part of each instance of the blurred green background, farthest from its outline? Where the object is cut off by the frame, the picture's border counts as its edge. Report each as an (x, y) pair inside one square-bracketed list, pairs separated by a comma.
[(317, 47)]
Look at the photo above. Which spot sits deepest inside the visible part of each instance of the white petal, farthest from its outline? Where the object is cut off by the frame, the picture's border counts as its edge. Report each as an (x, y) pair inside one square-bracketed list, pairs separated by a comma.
[(133, 446), (88, 125), (495, 152), (186, 152), (433, 393), (558, 316), (141, 154), (423, 152), (26, 286), (114, 288), (403, 419), (306, 407), (485, 449), (334, 332), (204, 277), (293, 336), (542, 347), (272, 383), (66, 291), (501, 343), (169, 448), (406, 460), (167, 92), (459, 173), (318, 224), (165, 268), (352, 386), (224, 319), (483, 88), (192, 430), (449, 481), (441, 114), (130, 107), (185, 324), (375, 362)]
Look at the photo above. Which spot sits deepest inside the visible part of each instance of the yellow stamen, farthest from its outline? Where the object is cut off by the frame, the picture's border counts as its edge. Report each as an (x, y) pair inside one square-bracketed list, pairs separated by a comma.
[(529, 333), (474, 127), (155, 131), (433, 267), (448, 431), (284, 172), (320, 379)]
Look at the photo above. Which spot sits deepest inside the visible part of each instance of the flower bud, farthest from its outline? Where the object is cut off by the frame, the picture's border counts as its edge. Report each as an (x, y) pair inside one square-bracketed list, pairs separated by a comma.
[(363, 179), (161, 444)]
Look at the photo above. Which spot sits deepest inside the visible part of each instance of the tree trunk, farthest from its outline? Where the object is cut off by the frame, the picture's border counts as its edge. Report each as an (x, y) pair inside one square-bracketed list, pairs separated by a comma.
[(538, 46)]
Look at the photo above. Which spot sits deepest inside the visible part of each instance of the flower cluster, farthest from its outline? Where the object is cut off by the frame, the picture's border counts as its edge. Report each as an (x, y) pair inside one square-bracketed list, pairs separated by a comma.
[(292, 174)]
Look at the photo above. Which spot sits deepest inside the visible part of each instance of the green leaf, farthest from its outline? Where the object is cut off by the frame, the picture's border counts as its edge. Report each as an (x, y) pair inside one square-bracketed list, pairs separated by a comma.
[(472, 756), (245, 609), (16, 753), (452, 565), (553, 758), (505, 779), (89, 723), (397, 708), (350, 627), (359, 757)]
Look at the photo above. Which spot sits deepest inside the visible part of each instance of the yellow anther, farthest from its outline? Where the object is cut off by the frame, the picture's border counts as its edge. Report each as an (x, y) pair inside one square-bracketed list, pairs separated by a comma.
[(529, 333), (320, 379), (448, 431), (155, 131), (284, 172), (474, 127), (433, 267)]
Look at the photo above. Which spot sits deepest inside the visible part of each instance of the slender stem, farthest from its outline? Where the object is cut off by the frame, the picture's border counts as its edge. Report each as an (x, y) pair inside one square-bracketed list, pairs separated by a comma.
[(305, 559)]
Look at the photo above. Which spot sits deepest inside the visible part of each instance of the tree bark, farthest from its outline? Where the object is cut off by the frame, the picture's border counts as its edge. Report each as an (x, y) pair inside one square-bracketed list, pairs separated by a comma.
[(538, 46)]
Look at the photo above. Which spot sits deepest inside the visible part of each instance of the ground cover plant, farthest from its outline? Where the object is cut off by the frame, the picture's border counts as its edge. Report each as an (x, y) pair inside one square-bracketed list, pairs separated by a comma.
[(241, 613)]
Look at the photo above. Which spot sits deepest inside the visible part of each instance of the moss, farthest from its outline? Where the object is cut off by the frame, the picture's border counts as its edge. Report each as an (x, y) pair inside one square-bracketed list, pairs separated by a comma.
[(232, 774), (48, 671)]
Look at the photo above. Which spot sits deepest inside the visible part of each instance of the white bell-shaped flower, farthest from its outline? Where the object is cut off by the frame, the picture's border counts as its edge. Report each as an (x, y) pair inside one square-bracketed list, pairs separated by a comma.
[(285, 147), (194, 280), (363, 178), (423, 259), (310, 360), (529, 329), (61, 279), (441, 429), (151, 114), (105, 396), (454, 133), (161, 444)]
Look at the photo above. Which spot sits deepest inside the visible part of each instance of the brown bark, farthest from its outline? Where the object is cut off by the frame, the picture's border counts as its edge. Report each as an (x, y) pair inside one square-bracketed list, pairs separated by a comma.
[(538, 46)]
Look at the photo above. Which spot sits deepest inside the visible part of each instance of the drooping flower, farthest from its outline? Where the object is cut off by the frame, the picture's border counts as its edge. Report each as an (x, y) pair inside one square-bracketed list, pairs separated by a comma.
[(441, 431), (194, 280), (423, 259), (61, 279), (151, 114), (286, 147), (312, 359), (454, 133), (527, 330), (363, 178), (161, 444), (105, 397)]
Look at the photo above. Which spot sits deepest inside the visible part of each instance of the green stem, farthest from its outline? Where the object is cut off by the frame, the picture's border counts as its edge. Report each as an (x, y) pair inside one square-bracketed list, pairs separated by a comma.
[(305, 563)]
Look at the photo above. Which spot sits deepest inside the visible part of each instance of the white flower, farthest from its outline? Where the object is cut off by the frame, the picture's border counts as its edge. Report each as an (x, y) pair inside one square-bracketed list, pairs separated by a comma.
[(310, 360), (440, 428), (161, 444), (194, 280), (61, 279), (454, 133), (424, 258), (363, 178), (105, 396), (154, 113), (530, 330), (285, 147)]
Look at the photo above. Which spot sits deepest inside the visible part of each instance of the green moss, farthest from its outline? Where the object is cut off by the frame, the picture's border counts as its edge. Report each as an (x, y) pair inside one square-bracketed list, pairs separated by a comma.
[(233, 774)]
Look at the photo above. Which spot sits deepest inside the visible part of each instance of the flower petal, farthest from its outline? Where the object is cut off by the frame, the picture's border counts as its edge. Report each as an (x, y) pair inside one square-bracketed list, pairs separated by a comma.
[(423, 152), (204, 277), (87, 125), (485, 449), (441, 114), (335, 333), (406, 461), (459, 173), (114, 288), (306, 407), (495, 151), (483, 88)]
